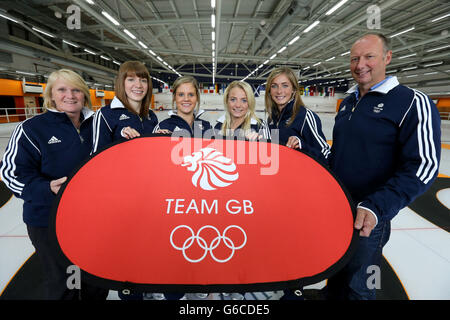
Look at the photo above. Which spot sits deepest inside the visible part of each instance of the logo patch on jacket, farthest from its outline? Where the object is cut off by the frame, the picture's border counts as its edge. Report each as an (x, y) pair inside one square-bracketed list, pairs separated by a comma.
[(378, 108), (342, 109), (124, 117), (53, 140)]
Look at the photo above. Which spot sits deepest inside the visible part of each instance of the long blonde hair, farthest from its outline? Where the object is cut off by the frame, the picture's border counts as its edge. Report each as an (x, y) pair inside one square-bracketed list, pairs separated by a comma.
[(72, 78), (246, 125), (271, 106)]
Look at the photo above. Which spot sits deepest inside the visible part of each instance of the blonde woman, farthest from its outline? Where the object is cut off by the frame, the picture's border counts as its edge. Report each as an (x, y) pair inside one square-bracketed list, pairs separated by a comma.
[(299, 127), (240, 119), (186, 102), (41, 153)]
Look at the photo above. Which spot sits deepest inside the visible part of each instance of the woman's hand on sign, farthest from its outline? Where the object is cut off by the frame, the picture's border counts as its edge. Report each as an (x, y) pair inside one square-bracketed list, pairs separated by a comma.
[(129, 133), (293, 142), (55, 185)]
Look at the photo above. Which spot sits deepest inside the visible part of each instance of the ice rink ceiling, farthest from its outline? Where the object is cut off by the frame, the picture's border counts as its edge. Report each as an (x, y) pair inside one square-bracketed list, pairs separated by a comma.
[(224, 40)]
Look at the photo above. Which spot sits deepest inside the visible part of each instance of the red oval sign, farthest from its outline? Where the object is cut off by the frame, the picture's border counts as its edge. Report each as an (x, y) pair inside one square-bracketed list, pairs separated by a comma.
[(192, 214)]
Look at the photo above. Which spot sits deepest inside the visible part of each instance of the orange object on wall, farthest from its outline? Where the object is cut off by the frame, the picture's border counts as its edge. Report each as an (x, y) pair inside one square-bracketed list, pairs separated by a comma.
[(20, 107), (338, 103), (443, 102), (443, 105), (14, 88)]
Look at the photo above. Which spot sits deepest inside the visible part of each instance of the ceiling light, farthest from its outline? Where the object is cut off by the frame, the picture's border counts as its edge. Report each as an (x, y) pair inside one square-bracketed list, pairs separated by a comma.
[(132, 36), (213, 21), (110, 18), (281, 50), (408, 55), (429, 73), (433, 64), (345, 53), (337, 6), (213, 4), (43, 32), (213, 36), (159, 58), (293, 40), (442, 17), (71, 43), (152, 52), (9, 18), (273, 56), (266, 62), (90, 2), (438, 48), (142, 45), (89, 51), (402, 32), (105, 58), (409, 68), (116, 62), (329, 59), (316, 64), (315, 23)]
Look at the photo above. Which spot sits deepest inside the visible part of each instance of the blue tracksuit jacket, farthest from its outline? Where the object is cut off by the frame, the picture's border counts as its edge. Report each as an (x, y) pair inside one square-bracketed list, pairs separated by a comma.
[(306, 126), (386, 146), (262, 128), (111, 119), (43, 148), (176, 124)]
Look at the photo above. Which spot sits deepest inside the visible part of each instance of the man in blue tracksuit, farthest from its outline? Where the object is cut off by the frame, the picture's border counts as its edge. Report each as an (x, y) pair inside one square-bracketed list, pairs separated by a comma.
[(386, 151)]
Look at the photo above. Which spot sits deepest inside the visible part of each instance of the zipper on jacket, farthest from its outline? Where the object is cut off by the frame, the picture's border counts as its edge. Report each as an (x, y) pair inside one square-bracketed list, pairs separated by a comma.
[(354, 107), (281, 115)]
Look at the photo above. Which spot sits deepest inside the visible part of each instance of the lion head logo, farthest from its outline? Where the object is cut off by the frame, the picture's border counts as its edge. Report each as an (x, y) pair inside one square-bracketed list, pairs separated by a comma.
[(211, 169)]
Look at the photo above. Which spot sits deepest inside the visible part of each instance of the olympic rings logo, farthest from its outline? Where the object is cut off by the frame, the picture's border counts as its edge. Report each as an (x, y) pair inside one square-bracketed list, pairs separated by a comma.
[(201, 242)]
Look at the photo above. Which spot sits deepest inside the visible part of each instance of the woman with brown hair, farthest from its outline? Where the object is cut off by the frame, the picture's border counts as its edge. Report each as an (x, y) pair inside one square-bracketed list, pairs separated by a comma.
[(299, 127), (128, 116)]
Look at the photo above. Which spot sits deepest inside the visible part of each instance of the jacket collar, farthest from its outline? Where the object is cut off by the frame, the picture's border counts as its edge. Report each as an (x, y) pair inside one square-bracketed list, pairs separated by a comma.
[(116, 103), (222, 120), (196, 115), (383, 86), (86, 112), (286, 112)]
